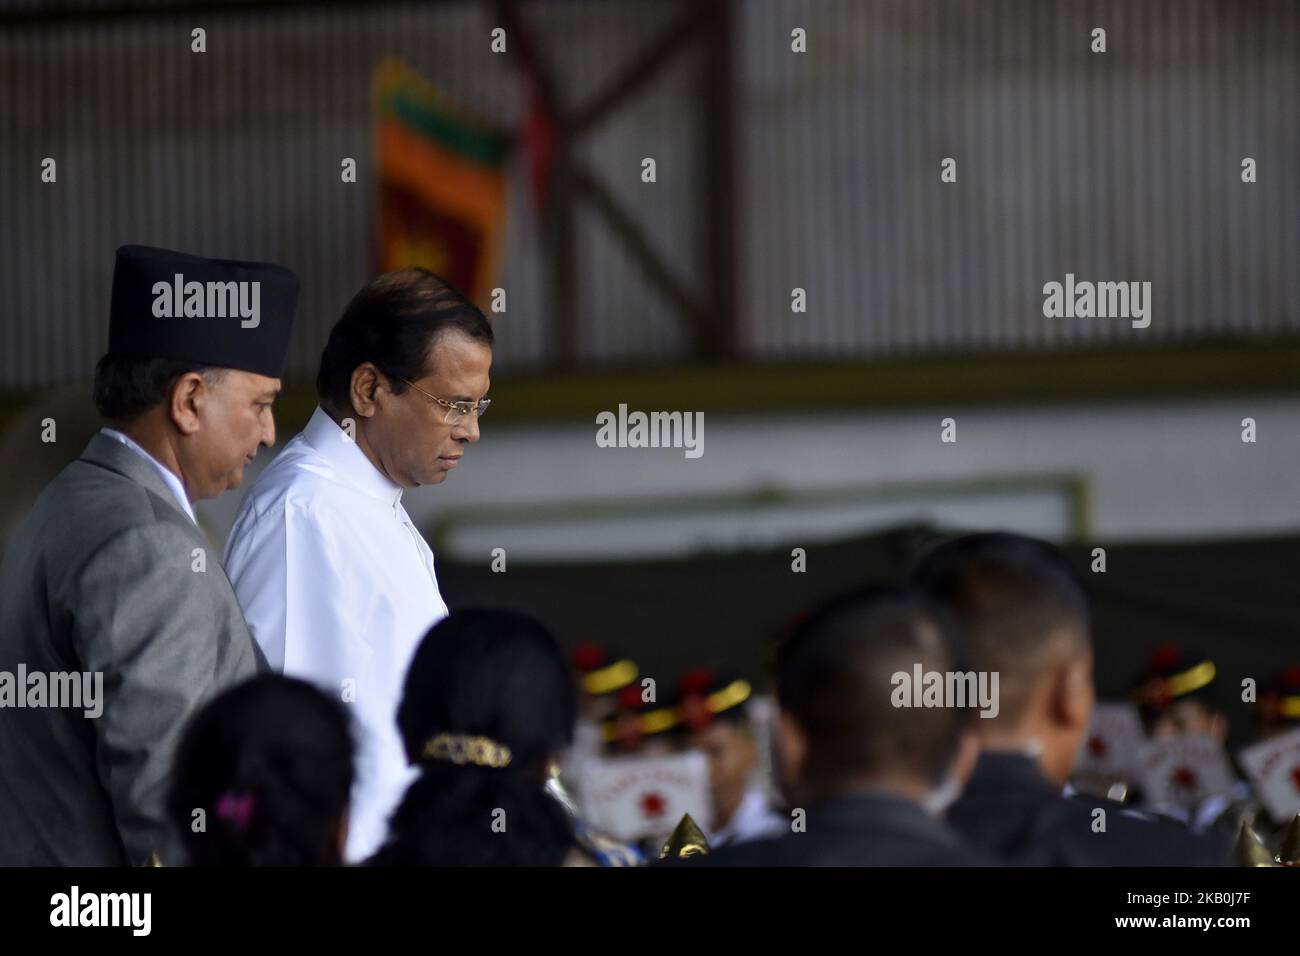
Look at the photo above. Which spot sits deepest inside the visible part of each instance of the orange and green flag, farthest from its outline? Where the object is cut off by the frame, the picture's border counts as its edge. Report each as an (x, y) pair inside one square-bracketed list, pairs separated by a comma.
[(442, 184)]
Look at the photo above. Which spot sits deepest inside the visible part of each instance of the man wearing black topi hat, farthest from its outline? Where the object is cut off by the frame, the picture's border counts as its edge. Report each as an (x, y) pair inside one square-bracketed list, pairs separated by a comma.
[(108, 579)]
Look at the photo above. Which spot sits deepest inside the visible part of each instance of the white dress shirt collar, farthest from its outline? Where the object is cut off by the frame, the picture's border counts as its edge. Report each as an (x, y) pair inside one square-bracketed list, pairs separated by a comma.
[(333, 444), (169, 476), (753, 819)]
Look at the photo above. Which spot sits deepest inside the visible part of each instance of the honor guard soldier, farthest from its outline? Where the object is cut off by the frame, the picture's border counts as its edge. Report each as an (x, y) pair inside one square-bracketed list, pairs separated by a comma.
[(715, 719)]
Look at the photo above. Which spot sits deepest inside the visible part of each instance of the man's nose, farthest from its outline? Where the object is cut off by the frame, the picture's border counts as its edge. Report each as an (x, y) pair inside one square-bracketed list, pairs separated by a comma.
[(268, 432), (467, 429)]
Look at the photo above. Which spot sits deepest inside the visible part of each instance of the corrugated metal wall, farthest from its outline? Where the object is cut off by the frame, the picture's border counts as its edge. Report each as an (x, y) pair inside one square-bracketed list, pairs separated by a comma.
[(1124, 165), (1117, 166), (236, 153)]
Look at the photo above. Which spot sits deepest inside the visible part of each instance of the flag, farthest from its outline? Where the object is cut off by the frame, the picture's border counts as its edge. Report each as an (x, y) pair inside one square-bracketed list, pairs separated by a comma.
[(442, 186)]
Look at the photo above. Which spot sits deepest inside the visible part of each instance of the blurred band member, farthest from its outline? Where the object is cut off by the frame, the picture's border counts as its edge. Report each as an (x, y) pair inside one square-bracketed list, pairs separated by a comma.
[(640, 726), (601, 678), (1278, 710), (1176, 695), (715, 720)]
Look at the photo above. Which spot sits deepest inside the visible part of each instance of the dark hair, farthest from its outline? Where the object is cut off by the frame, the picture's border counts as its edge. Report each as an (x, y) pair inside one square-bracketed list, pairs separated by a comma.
[(394, 322), (270, 764), (833, 675), (1019, 601), (494, 674), (126, 387)]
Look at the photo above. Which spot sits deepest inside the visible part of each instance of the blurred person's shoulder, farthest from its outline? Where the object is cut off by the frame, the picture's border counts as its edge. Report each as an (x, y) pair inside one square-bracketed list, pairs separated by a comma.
[(1009, 809), (1080, 830), (791, 850), (858, 830), (1133, 837)]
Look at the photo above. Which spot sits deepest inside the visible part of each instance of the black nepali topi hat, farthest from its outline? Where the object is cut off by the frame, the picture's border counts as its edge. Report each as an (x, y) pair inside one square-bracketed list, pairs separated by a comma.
[(214, 312)]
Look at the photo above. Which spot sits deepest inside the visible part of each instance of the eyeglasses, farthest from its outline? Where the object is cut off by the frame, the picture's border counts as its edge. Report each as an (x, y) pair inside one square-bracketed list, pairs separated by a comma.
[(457, 412)]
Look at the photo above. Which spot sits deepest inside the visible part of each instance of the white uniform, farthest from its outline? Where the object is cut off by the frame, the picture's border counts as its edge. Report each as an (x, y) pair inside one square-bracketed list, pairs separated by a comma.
[(338, 587), (753, 820)]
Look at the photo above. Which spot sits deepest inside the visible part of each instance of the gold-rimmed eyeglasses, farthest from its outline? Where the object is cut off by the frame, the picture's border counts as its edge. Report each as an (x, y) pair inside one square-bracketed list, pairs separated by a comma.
[(457, 412)]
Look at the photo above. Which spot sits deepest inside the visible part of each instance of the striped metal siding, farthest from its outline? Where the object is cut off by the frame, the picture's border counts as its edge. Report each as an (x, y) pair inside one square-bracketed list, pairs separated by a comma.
[(237, 153), (1116, 166)]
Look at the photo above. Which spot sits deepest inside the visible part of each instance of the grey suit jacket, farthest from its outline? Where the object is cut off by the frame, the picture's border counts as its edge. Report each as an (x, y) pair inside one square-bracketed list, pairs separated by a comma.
[(101, 577)]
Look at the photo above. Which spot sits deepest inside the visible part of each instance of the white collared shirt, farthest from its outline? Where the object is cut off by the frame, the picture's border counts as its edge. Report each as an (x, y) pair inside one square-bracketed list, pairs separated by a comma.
[(170, 477), (753, 820), (338, 588)]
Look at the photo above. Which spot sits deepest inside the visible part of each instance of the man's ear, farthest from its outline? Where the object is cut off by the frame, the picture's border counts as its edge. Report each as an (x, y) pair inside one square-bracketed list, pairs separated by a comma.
[(185, 402), (1073, 696), (365, 386)]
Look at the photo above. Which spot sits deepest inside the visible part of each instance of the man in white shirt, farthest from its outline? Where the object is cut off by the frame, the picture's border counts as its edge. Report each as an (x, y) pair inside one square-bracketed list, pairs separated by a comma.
[(337, 585)]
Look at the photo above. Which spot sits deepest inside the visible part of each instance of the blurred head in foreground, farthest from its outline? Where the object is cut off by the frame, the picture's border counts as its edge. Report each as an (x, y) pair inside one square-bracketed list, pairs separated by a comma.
[(1025, 617), (269, 765), (840, 727), (488, 706)]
